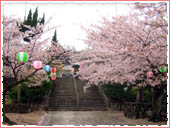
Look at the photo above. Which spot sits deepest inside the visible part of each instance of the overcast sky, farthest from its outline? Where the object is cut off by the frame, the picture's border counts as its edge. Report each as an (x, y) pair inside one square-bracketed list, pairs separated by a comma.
[(69, 15)]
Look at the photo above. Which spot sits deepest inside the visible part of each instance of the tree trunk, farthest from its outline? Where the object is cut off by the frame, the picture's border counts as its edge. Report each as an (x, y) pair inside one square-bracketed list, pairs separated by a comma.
[(5, 118), (139, 97), (157, 95), (139, 110)]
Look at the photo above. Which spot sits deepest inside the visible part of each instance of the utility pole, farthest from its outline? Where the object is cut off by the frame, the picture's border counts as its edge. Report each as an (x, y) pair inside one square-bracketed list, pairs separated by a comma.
[(116, 8), (25, 10)]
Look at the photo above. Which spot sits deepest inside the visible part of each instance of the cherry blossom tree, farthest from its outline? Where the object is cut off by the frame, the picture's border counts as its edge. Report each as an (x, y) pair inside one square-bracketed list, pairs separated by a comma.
[(38, 49), (125, 49), (155, 14)]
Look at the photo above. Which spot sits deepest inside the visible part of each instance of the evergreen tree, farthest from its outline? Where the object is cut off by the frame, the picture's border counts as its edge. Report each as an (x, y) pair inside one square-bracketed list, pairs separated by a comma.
[(42, 21), (26, 22), (32, 20), (29, 18), (54, 39), (35, 18)]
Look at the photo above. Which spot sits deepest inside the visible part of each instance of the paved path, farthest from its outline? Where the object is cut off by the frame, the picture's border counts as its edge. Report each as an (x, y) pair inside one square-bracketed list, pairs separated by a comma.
[(83, 118)]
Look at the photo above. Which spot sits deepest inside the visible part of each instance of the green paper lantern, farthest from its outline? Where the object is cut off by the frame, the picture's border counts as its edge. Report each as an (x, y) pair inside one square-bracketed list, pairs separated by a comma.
[(163, 69), (22, 57)]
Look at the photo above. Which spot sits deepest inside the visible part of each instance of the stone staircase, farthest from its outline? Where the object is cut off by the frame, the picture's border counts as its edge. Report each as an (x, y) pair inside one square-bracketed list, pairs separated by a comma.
[(63, 97)]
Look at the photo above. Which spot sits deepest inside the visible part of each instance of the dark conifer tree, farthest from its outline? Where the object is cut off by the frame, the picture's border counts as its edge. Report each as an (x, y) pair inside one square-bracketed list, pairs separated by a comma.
[(54, 39), (35, 18), (31, 20), (42, 21)]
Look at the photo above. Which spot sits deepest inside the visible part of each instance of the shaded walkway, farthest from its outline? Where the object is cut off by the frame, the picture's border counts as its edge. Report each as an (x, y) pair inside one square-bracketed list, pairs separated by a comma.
[(83, 118)]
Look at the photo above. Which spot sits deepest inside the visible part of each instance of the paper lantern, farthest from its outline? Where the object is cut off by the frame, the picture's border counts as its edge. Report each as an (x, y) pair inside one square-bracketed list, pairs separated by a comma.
[(149, 74), (53, 69), (164, 78), (22, 57), (47, 68), (37, 64), (53, 78), (163, 69), (53, 75), (125, 89), (116, 81)]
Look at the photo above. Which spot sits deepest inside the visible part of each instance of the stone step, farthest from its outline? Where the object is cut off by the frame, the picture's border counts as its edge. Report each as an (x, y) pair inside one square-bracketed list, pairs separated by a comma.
[(75, 100), (80, 104), (73, 91), (63, 97), (64, 89), (80, 97), (74, 108), (78, 109), (75, 105), (73, 94), (72, 103), (63, 94), (83, 103), (89, 96)]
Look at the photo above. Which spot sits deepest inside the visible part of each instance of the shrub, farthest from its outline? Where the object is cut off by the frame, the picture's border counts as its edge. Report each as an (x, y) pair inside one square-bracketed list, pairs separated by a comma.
[(31, 94), (116, 92), (147, 95)]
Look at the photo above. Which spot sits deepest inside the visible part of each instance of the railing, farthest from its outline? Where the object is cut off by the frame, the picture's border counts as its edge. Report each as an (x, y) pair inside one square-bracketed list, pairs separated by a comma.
[(136, 109), (75, 87), (49, 93)]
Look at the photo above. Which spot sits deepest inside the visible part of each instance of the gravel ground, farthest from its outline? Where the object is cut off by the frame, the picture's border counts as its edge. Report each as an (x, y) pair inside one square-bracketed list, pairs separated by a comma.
[(32, 118), (77, 118), (81, 118)]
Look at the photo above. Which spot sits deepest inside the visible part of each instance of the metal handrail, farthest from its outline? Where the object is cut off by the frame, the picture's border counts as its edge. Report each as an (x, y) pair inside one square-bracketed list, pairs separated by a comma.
[(75, 87)]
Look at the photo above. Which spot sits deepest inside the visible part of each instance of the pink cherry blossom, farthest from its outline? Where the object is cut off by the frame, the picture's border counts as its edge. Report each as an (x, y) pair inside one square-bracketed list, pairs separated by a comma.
[(124, 48), (38, 49)]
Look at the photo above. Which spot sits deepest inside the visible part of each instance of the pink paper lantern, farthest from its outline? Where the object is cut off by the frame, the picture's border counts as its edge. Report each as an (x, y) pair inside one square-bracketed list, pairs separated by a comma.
[(149, 74), (37, 64)]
